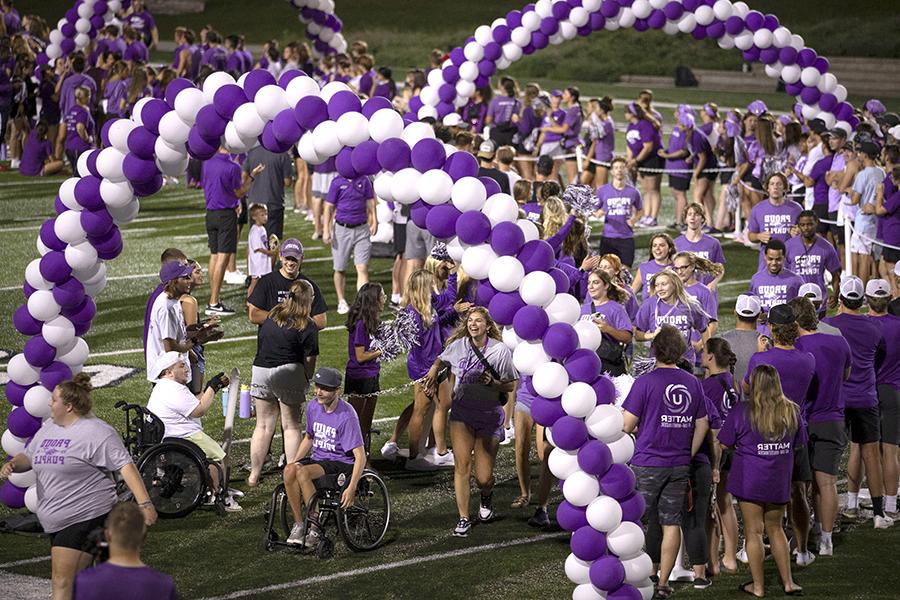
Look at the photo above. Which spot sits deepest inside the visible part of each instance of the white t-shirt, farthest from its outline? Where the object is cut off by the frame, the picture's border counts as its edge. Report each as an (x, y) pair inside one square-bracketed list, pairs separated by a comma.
[(166, 321), (513, 178), (258, 263), (172, 402)]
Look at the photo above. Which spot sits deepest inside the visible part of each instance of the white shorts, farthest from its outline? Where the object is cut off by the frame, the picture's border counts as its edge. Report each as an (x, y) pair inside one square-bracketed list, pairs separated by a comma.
[(321, 182), (859, 245), (553, 149)]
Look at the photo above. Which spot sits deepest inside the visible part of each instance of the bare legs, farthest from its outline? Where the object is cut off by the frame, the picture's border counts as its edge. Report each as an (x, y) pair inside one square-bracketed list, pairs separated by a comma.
[(465, 442), (757, 519), (217, 263)]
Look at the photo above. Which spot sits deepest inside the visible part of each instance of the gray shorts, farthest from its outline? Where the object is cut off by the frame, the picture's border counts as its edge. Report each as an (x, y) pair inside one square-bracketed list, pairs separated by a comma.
[(350, 240), (285, 383), (321, 182), (418, 242), (523, 408), (552, 149), (664, 490), (889, 403), (827, 440)]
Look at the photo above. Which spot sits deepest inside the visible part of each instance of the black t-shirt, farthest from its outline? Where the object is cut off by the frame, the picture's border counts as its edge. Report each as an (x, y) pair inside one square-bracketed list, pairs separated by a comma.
[(497, 175), (894, 307), (276, 346), (272, 289)]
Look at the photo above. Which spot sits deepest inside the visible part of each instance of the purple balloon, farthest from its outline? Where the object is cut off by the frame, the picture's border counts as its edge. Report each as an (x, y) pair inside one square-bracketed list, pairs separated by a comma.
[(415, 103), (152, 112), (788, 55), (810, 95), (428, 154), (561, 10), (418, 212), (537, 255), (461, 164), (793, 89), (605, 390), (53, 267), (633, 506), (92, 162), (611, 9), (492, 52), (364, 158), (96, 222), (38, 353), (561, 280), (657, 19), (139, 170), (513, 19), (583, 365), (507, 239), (571, 517), (546, 412), (491, 186), (672, 10), (560, 341), (104, 132), (227, 99), (769, 56), (531, 322), (255, 81), (549, 26), (147, 188), (393, 154), (594, 457), (109, 245), (68, 30), (771, 22), (821, 64), (344, 163), (617, 482), (373, 105), (310, 111), (67, 45), (504, 306), (198, 147), (501, 32), (11, 495), (587, 543), (484, 291), (441, 221), (486, 68), (715, 30), (539, 40), (210, 123), (528, 49), (54, 374), (23, 424), (473, 228), (289, 76), (175, 87), (689, 5), (87, 191), (755, 20), (343, 102), (15, 393), (69, 293), (607, 573), (569, 433), (451, 73), (285, 127), (25, 323), (806, 57), (751, 55), (457, 56), (586, 30), (625, 592), (83, 313), (643, 25)]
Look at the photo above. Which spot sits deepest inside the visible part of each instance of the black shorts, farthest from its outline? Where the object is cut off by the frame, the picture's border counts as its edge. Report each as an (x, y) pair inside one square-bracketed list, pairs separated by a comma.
[(360, 386), (621, 247), (331, 467), (399, 239), (889, 405), (243, 217), (221, 231), (653, 161), (726, 460), (76, 536), (864, 424), (821, 211), (709, 174), (890, 255), (664, 490), (801, 470), (827, 440), (836, 230), (725, 177), (679, 183)]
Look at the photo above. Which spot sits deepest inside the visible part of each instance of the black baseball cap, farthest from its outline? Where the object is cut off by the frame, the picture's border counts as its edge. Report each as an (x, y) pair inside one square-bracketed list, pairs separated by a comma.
[(329, 378), (781, 314), (818, 126)]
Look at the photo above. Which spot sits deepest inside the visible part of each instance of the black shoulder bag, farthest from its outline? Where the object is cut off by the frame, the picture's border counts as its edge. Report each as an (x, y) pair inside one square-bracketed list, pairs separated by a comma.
[(502, 397)]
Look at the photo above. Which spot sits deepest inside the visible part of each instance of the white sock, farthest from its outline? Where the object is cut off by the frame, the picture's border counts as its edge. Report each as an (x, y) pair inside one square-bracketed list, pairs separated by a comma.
[(890, 503), (395, 298), (826, 537), (852, 499)]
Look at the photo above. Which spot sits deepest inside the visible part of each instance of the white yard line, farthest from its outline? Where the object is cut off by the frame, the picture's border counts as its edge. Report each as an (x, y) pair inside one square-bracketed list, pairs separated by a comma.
[(26, 561)]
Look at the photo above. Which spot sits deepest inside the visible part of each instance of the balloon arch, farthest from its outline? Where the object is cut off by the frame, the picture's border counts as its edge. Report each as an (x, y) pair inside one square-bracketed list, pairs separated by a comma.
[(518, 281)]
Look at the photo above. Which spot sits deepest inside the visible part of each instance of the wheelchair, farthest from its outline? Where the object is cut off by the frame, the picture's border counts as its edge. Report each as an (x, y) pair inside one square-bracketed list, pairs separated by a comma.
[(362, 526), (175, 471)]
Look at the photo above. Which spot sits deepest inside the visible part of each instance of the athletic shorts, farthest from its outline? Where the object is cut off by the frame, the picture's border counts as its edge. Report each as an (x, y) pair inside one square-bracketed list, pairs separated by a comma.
[(399, 239), (654, 161), (725, 177), (890, 255), (331, 467), (864, 424), (360, 386), (552, 149), (211, 448), (801, 470), (664, 490), (836, 230), (679, 183), (350, 240), (418, 242), (877, 251), (321, 182), (592, 166), (285, 383), (827, 440), (621, 247), (821, 211), (485, 420), (221, 231), (859, 244), (709, 174), (523, 408), (889, 405), (76, 536), (243, 218)]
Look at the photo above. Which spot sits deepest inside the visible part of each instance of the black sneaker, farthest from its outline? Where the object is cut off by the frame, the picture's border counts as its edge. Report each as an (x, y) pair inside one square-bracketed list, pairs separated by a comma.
[(540, 519), (463, 526), (701, 583), (486, 510), (219, 309)]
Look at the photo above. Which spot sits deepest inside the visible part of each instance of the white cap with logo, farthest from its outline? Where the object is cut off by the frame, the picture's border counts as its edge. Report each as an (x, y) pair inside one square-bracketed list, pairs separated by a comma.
[(747, 305)]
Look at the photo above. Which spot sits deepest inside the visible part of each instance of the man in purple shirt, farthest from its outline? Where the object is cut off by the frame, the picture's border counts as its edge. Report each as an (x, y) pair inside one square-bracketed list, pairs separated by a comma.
[(620, 203), (222, 190), (809, 255), (334, 436), (775, 284), (867, 348), (774, 218), (73, 78), (143, 22)]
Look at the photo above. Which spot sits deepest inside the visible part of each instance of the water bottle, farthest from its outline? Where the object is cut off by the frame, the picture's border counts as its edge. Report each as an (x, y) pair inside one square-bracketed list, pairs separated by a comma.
[(244, 412), (225, 401)]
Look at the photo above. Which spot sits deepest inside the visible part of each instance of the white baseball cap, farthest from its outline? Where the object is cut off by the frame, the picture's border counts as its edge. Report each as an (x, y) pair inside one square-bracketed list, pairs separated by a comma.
[(878, 288), (747, 306), (852, 288), (164, 361), (897, 269), (811, 291)]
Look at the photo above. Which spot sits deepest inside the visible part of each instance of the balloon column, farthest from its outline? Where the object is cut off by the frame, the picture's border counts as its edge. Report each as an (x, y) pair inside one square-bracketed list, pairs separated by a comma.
[(760, 37), (80, 25), (323, 28)]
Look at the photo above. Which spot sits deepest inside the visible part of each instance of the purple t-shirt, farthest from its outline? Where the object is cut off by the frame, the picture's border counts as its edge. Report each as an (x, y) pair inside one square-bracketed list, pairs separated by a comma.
[(221, 177), (215, 58), (705, 452), (34, 153), (817, 174), (574, 119), (655, 313), (142, 22), (349, 197), (890, 223), (708, 301), (677, 142), (706, 247), (502, 108), (618, 205), (720, 390), (888, 372), (114, 93), (524, 391), (810, 262), (775, 289), (838, 165), (825, 401), (761, 469), (614, 313), (777, 220), (356, 369), (234, 62), (335, 434), (49, 107), (638, 134), (606, 143), (67, 91), (552, 119), (631, 304), (667, 403), (78, 115), (699, 146), (795, 369), (649, 269), (867, 346), (113, 581), (137, 50), (430, 346)]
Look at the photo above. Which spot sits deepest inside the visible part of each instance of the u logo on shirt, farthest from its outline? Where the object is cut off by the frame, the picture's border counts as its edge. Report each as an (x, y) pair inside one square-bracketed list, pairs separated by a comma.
[(677, 398)]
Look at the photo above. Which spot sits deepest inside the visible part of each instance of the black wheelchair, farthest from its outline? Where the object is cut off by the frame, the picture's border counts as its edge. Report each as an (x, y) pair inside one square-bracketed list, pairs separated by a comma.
[(175, 471), (362, 526)]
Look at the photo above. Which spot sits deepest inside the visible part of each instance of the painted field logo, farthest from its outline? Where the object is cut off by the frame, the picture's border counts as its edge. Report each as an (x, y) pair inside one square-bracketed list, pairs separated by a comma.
[(677, 398)]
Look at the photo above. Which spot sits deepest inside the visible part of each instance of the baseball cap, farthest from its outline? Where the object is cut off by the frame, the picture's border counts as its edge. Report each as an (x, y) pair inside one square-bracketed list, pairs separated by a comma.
[(781, 314), (557, 93), (878, 288), (174, 270), (327, 377), (894, 132), (818, 126), (870, 149), (852, 288), (747, 306), (838, 132), (811, 291), (897, 269), (164, 361), (486, 149), (292, 248)]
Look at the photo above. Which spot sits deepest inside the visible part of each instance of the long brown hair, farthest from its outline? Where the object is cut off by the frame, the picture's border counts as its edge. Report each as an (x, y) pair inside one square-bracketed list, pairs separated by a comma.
[(294, 311), (613, 291), (700, 264), (772, 414)]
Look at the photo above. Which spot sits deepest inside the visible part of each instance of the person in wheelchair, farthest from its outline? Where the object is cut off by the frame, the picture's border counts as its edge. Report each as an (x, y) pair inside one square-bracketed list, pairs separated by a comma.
[(335, 438), (180, 411)]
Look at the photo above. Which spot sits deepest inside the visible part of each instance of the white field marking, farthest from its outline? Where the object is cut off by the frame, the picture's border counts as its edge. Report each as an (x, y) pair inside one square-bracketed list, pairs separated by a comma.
[(25, 561), (387, 566)]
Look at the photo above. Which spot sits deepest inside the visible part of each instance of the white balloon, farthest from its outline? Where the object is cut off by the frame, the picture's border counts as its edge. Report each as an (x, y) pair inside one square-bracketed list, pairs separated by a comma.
[(726, 42), (506, 274), (91, 274), (586, 591), (578, 571), (247, 121), (53, 51), (405, 186), (520, 36), (581, 488), (538, 288), (383, 213), (235, 142), (68, 227), (626, 540), (550, 379), (468, 71), (173, 130), (416, 132), (429, 96), (12, 444), (123, 215), (544, 8), (332, 88), (77, 355), (37, 402), (468, 194), (809, 112), (809, 76), (41, 247), (589, 335), (641, 9), (529, 229), (840, 92), (622, 449), (455, 249), (741, 9), (94, 288), (109, 165), (562, 463), (828, 118), (56, 36), (435, 186), (723, 9), (687, 23), (774, 71), (743, 41), (384, 233), (704, 15), (671, 27), (473, 51), (627, 18), (567, 31), (763, 38), (782, 37), (594, 5), (136, 111), (790, 73), (81, 256), (464, 90), (845, 126), (187, 103), (81, 167), (34, 278), (503, 63), (605, 423), (579, 399), (797, 42), (83, 25), (483, 35), (352, 128), (18, 368), (512, 51), (306, 148), (528, 356), (299, 88), (118, 133), (59, 332), (604, 513), (579, 16), (385, 123), (25, 479), (270, 100), (382, 185), (67, 193), (435, 78), (477, 260), (500, 208), (637, 569), (166, 154), (531, 21), (31, 498), (508, 334), (564, 308), (213, 82), (828, 83)]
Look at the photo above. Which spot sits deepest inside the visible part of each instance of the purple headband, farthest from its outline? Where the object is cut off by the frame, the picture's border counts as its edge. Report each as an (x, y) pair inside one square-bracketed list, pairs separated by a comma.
[(732, 129), (687, 120), (757, 107), (708, 109), (875, 107)]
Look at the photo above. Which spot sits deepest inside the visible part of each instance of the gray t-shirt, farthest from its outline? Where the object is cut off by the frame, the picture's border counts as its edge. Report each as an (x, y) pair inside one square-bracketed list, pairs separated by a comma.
[(865, 184), (74, 467), (466, 367), (824, 327), (268, 188), (743, 344)]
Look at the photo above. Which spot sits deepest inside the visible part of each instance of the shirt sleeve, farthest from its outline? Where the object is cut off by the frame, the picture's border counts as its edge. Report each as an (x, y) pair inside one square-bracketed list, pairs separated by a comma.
[(234, 177), (754, 225), (503, 363), (332, 196), (350, 434), (258, 297), (728, 434), (311, 340), (110, 453), (634, 402), (642, 320)]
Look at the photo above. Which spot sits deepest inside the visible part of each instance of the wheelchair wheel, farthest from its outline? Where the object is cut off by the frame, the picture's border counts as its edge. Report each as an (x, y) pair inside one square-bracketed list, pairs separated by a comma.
[(364, 524), (175, 478)]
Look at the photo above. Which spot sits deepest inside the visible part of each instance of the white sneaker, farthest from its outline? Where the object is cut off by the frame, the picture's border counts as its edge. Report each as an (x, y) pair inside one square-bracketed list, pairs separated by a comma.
[(509, 434), (312, 538), (442, 460), (235, 493), (805, 558), (486, 508), (826, 548), (419, 463), (231, 505), (343, 308), (296, 537), (234, 277), (681, 574), (742, 556), (390, 450), (883, 522)]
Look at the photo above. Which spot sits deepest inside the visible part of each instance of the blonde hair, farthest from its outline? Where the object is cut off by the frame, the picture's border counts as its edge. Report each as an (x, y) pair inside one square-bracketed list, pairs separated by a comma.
[(418, 295), (462, 329), (772, 414), (700, 264), (294, 311), (431, 265), (680, 294), (553, 216)]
